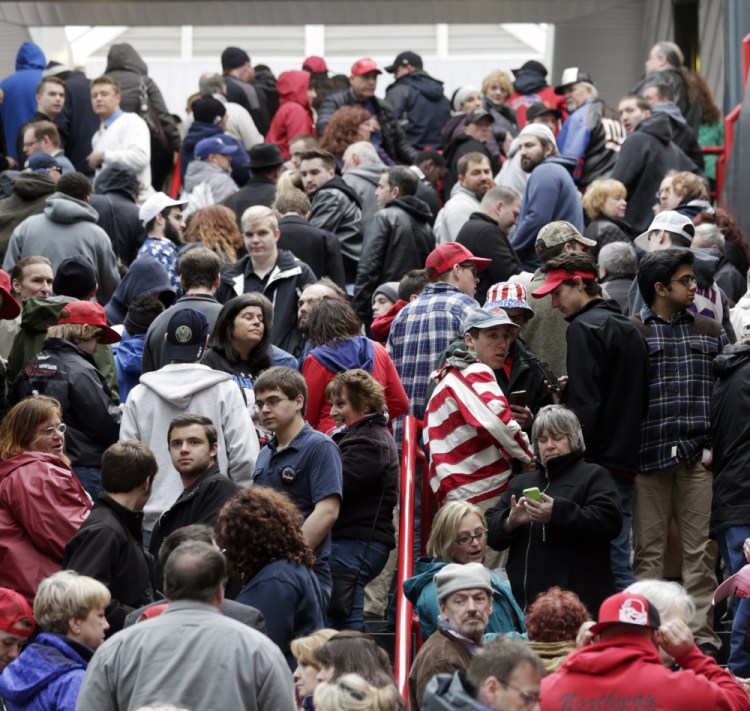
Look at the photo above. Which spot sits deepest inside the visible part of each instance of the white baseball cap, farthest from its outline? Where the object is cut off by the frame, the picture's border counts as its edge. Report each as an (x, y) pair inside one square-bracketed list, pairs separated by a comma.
[(669, 221), (154, 205)]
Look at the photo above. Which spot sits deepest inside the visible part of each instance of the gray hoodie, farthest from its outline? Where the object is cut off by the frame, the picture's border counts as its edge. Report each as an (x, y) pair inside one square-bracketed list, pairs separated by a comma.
[(67, 226), (189, 387), (220, 182)]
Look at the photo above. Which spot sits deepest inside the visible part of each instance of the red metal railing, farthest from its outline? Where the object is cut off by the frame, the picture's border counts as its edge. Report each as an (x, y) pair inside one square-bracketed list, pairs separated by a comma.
[(406, 621)]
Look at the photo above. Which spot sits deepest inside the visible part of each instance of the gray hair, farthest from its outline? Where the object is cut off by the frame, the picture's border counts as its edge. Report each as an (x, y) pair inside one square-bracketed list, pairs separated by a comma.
[(366, 152), (671, 52), (557, 419), (619, 259), (665, 596), (500, 193), (708, 235), (212, 83)]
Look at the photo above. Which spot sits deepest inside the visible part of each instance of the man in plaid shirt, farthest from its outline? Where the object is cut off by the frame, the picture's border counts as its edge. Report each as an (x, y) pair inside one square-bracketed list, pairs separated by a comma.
[(675, 442)]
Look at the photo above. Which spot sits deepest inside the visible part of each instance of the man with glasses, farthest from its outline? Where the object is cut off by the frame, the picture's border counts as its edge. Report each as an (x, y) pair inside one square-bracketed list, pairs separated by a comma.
[(504, 675), (43, 137), (674, 478), (606, 384), (300, 461), (185, 385)]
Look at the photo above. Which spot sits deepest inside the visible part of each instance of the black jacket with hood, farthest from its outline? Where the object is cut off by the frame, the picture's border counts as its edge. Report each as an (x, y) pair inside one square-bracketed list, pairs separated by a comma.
[(397, 239), (114, 199), (645, 157), (730, 434), (420, 106)]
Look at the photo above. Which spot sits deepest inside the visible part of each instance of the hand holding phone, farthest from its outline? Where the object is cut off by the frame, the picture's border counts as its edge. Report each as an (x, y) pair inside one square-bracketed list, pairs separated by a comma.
[(534, 494)]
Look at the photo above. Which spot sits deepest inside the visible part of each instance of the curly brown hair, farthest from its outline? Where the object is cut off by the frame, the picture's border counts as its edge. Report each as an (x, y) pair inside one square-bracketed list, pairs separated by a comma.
[(728, 226), (258, 526), (555, 616), (343, 129), (216, 227)]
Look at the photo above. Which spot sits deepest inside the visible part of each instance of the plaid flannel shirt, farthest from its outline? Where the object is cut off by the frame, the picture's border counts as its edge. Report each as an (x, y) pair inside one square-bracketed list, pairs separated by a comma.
[(681, 380), (421, 331)]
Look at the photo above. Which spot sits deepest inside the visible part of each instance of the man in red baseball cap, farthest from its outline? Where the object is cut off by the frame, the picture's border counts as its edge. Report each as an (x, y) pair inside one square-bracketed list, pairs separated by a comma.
[(622, 669), (389, 134), (16, 625)]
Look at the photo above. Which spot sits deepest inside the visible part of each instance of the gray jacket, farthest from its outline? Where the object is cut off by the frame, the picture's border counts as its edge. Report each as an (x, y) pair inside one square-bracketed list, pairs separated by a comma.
[(446, 692), (363, 180), (67, 226), (238, 667), (220, 182)]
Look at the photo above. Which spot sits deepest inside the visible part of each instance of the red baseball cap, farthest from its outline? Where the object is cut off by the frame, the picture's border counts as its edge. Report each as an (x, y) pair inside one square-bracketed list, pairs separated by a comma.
[(447, 255), (555, 277), (10, 308), (15, 609), (91, 314), (627, 609), (316, 65), (364, 66)]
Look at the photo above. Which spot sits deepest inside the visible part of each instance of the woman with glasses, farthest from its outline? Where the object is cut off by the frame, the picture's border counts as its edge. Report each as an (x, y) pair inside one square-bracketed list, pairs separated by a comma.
[(558, 521), (459, 535), (65, 370), (259, 528), (42, 503)]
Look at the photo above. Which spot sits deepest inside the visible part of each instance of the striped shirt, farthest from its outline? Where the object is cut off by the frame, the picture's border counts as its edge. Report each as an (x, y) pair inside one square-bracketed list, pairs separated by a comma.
[(470, 434)]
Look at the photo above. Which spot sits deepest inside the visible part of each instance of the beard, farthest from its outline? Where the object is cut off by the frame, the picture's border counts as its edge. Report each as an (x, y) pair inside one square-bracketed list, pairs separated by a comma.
[(172, 233)]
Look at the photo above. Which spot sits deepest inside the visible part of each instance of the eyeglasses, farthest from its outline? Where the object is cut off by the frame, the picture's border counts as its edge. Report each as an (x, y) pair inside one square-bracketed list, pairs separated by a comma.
[(529, 697), (468, 538), (686, 280), (49, 431), (272, 402), (470, 266)]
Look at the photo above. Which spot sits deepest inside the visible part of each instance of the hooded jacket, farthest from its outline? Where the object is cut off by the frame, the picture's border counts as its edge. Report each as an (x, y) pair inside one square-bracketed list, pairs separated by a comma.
[(126, 65), (397, 239), (189, 387), (295, 115), (572, 550), (363, 180), (113, 199), (47, 675), (128, 362), (109, 548), (421, 591), (531, 88), (19, 104), (682, 134), (420, 106), (323, 363), (608, 367), (30, 193), (730, 434), (626, 672), (67, 226), (395, 143), (550, 195), (447, 692), (647, 154), (215, 178), (282, 286), (42, 505), (592, 135), (336, 207), (145, 276), (65, 372), (38, 315), (196, 133)]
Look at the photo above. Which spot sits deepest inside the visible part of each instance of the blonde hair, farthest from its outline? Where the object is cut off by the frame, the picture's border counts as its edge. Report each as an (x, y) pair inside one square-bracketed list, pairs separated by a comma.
[(597, 194), (496, 76), (445, 528), (74, 332), (303, 647), (688, 186), (352, 693), (259, 213), (289, 180), (65, 595)]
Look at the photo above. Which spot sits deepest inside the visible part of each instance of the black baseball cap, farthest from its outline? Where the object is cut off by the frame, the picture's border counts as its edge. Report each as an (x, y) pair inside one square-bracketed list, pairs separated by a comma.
[(403, 59), (186, 335)]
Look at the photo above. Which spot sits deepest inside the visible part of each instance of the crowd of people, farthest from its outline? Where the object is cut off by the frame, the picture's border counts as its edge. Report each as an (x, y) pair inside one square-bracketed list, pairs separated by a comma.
[(212, 329)]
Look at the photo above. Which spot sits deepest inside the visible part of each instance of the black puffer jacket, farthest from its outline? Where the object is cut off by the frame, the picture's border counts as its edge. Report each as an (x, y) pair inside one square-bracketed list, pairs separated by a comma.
[(572, 550), (114, 200), (109, 548), (282, 286), (730, 433), (398, 239), (68, 374), (126, 65), (394, 139), (608, 383), (606, 230)]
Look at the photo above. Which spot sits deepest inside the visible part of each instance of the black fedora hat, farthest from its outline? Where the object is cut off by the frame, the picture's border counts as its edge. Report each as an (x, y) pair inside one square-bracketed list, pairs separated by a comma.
[(265, 155)]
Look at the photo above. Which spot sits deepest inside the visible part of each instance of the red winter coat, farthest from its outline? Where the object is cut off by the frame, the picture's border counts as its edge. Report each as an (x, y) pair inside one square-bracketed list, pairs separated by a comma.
[(295, 116), (317, 376), (625, 672), (42, 505)]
